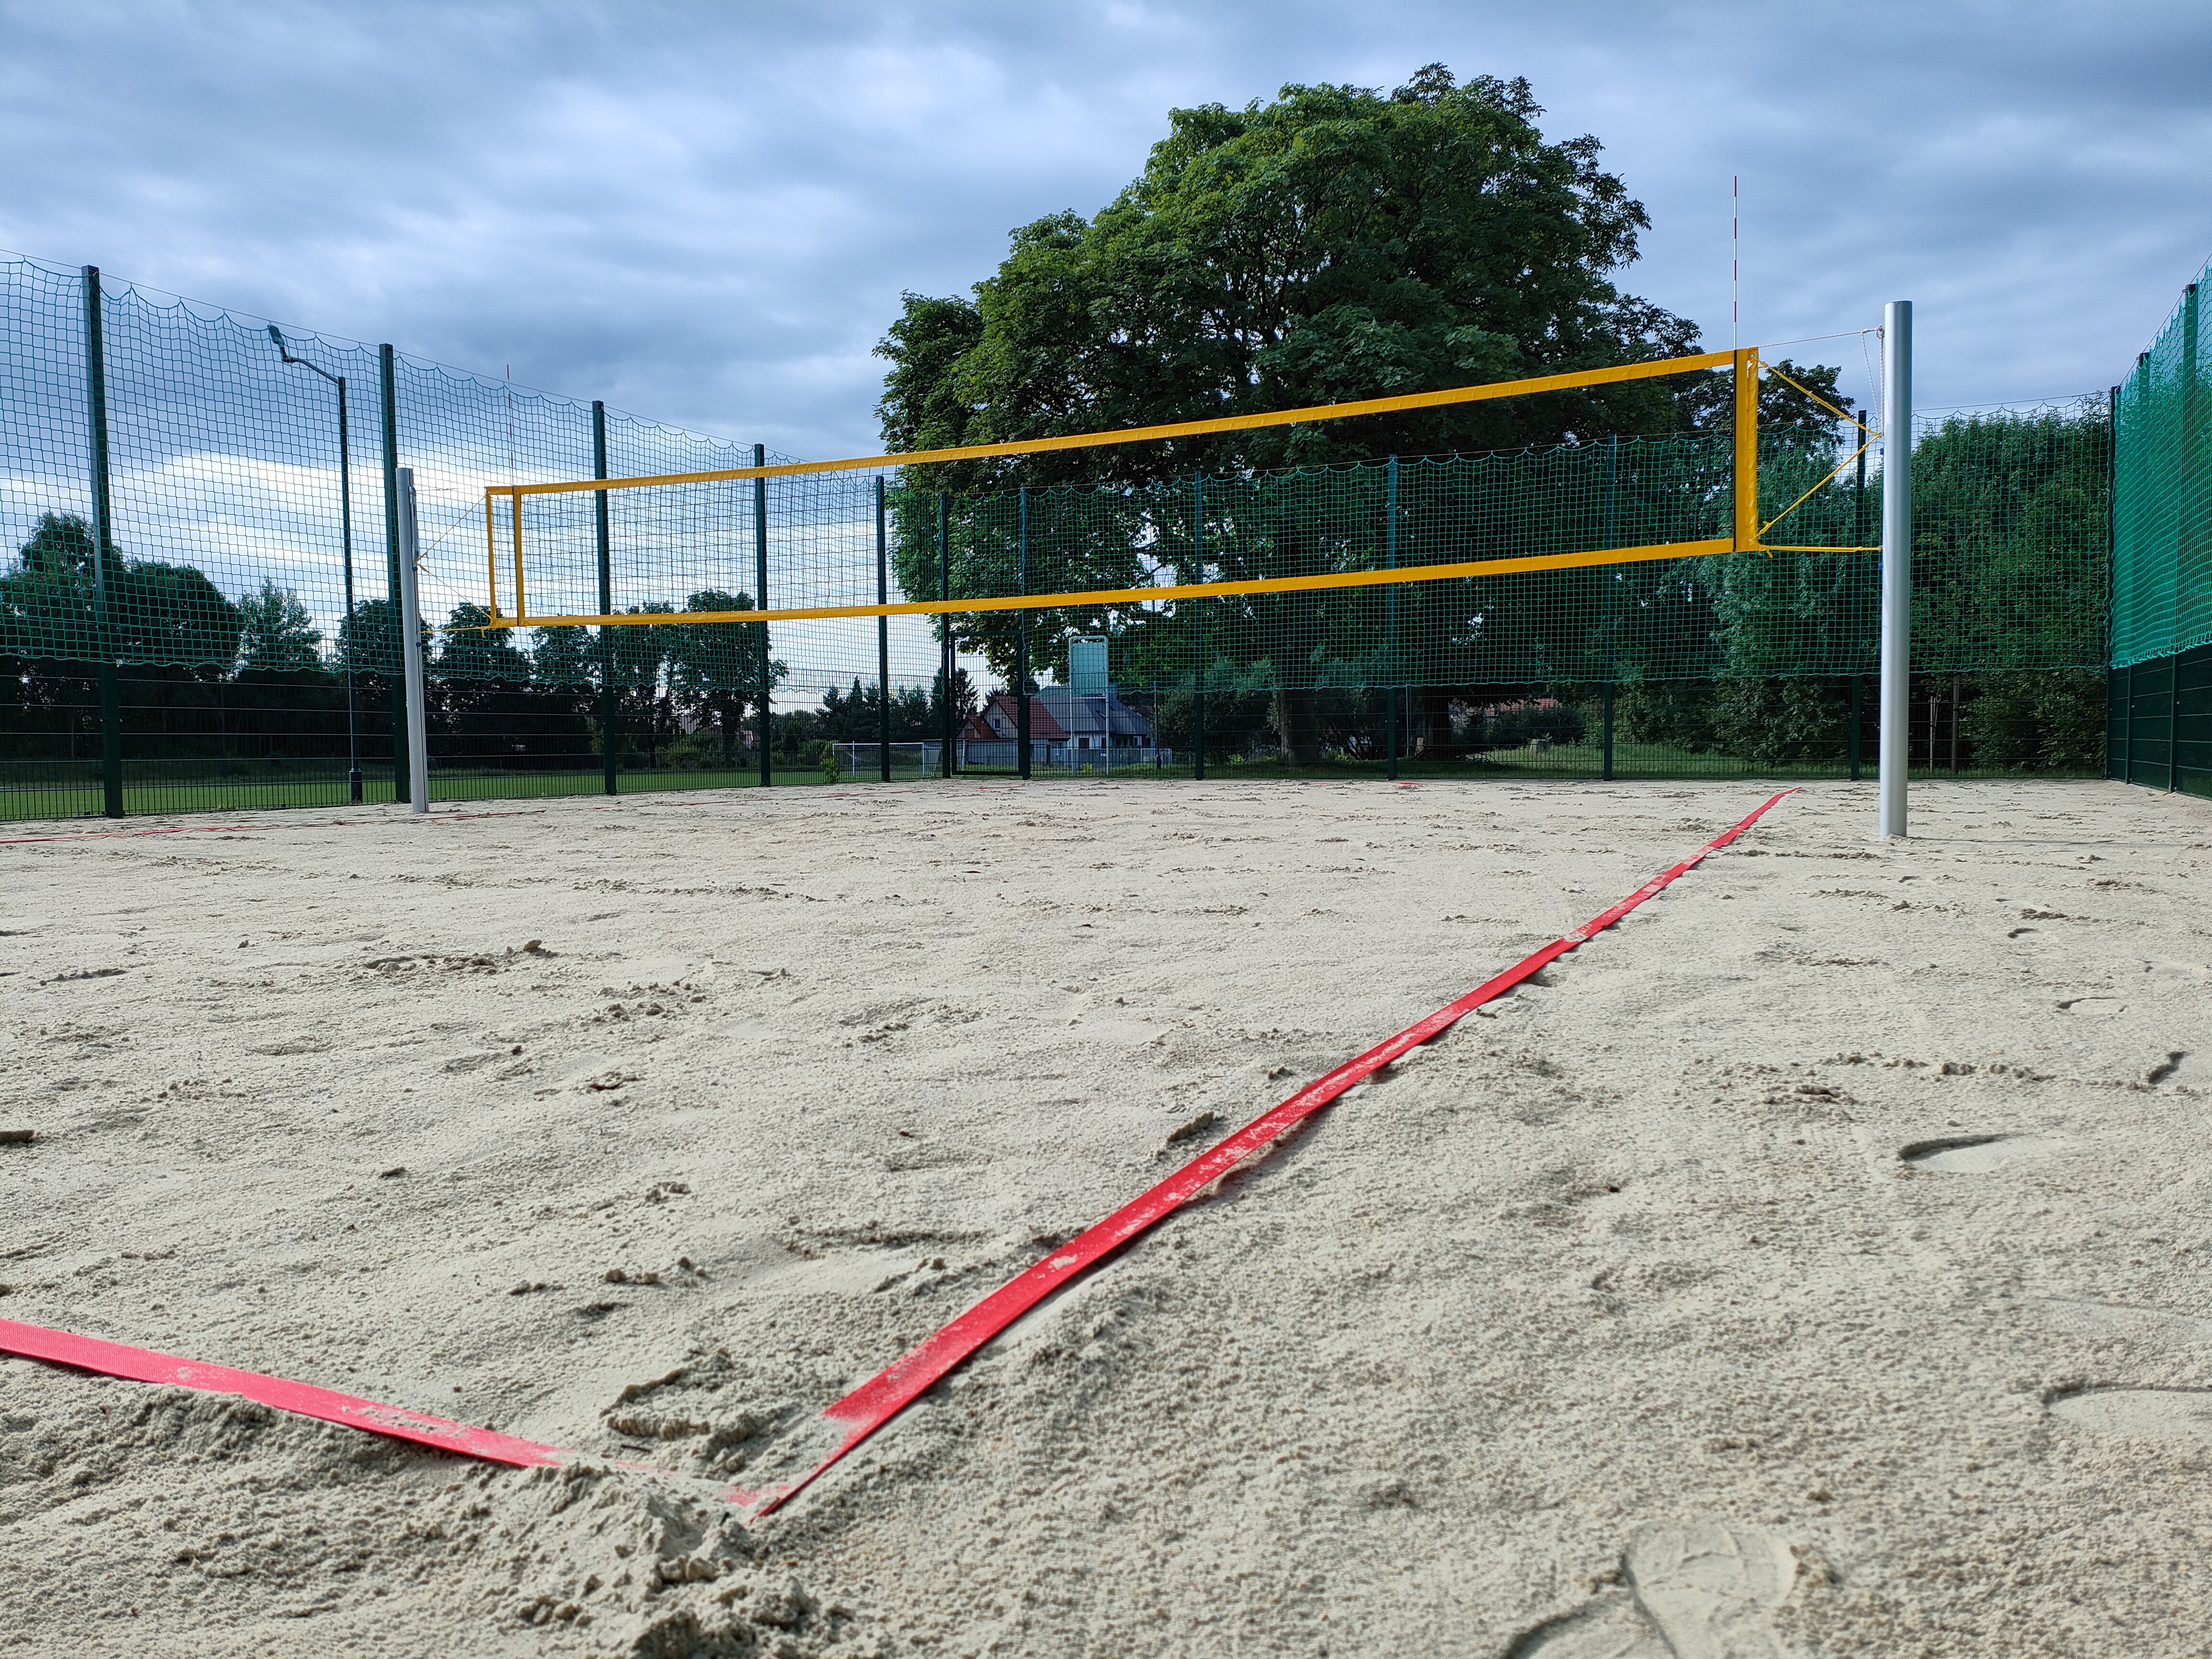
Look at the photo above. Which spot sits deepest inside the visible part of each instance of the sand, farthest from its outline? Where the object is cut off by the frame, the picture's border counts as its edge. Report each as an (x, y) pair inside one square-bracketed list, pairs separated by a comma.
[(1820, 1263)]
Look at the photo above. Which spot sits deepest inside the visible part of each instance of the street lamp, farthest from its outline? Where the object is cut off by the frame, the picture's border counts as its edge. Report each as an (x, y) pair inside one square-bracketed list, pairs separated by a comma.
[(346, 525)]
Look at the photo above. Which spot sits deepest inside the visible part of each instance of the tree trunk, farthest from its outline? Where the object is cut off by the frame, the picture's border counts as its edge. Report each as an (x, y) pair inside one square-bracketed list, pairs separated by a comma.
[(1296, 726)]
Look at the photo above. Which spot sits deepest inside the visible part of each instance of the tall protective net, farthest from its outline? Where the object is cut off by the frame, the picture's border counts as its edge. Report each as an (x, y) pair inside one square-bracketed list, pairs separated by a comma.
[(2161, 730), (245, 675), (234, 535)]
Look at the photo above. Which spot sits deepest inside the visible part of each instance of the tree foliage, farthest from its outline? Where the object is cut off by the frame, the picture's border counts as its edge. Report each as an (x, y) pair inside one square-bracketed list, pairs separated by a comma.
[(1336, 243)]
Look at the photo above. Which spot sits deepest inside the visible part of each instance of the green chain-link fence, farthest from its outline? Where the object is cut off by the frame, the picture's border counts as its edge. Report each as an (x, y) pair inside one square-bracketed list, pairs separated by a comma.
[(243, 595)]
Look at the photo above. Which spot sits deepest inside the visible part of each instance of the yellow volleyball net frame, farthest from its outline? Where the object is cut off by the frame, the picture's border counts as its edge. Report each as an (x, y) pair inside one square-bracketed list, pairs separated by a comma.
[(1747, 534)]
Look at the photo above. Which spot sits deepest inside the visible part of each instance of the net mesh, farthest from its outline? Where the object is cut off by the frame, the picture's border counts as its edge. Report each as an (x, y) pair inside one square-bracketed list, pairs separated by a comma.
[(2009, 567), (2162, 528), (225, 581)]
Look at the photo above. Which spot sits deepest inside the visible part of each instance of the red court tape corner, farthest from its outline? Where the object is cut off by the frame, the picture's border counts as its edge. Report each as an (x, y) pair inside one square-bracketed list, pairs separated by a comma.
[(851, 1421)]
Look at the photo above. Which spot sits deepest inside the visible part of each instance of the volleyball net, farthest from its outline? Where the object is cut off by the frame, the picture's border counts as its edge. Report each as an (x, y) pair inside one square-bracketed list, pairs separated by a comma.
[(840, 527)]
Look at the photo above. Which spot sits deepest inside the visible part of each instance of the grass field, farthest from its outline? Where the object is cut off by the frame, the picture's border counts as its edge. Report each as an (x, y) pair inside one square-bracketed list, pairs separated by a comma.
[(174, 788)]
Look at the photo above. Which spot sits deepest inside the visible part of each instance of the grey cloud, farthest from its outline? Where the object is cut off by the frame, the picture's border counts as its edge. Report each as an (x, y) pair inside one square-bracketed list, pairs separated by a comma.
[(706, 213)]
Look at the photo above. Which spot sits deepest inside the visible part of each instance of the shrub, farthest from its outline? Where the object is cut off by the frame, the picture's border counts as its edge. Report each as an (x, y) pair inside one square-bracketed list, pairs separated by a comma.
[(1512, 728), (2052, 720)]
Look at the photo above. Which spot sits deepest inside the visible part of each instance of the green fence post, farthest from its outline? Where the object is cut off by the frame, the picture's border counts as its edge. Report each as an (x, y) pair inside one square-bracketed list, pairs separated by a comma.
[(1858, 539), (2190, 516), (345, 551), (1611, 603), (2127, 723), (1022, 657), (387, 389), (944, 627), (760, 580), (1390, 614), (2112, 579), (883, 640), (609, 736), (2173, 723), (1198, 627), (1857, 721), (103, 537)]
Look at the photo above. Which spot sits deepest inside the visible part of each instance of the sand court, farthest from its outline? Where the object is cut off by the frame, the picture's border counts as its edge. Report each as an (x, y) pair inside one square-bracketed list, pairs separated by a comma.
[(1815, 1263)]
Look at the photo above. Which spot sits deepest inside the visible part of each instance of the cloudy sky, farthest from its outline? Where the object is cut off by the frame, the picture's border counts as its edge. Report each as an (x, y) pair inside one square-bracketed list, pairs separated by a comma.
[(706, 213)]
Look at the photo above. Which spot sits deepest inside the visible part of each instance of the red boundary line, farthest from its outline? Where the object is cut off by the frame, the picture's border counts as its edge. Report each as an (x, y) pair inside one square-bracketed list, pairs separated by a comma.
[(875, 1402), (142, 1365)]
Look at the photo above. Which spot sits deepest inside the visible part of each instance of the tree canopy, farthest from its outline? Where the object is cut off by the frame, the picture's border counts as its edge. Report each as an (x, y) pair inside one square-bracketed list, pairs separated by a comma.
[(1337, 243)]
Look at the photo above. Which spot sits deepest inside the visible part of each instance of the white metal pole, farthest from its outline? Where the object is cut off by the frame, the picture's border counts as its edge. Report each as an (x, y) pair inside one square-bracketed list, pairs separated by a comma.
[(1896, 563), (410, 651)]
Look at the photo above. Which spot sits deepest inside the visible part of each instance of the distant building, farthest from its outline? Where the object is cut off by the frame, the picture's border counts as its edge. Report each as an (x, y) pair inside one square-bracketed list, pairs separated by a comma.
[(1067, 729)]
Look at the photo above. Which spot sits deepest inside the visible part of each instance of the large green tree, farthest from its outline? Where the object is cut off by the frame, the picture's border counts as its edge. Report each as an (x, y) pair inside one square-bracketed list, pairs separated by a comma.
[(1336, 243), (715, 668), (279, 633), (166, 614)]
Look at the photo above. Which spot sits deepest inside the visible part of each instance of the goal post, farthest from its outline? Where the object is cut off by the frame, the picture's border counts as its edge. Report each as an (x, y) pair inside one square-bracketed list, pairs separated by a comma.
[(507, 569)]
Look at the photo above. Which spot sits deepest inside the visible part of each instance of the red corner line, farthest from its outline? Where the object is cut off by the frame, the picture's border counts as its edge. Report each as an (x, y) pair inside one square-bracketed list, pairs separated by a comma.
[(851, 1421)]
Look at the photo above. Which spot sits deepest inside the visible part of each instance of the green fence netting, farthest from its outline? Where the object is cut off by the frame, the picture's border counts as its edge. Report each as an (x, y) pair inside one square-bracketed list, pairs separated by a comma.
[(2160, 724), (244, 591), (2162, 523)]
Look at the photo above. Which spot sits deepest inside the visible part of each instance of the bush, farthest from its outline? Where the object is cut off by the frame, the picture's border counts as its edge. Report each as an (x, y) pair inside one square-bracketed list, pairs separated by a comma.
[(1770, 721), (1513, 728), (1234, 719), (1676, 712), (2029, 720)]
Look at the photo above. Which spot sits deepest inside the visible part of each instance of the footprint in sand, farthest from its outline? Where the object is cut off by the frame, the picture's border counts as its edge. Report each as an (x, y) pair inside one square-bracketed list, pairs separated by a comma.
[(2117, 1319), (2159, 1413), (1697, 1589), (2156, 1413), (1971, 1154)]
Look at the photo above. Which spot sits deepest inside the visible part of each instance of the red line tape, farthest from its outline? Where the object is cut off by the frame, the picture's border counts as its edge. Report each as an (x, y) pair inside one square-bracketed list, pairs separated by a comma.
[(143, 1365), (874, 1403), (112, 835)]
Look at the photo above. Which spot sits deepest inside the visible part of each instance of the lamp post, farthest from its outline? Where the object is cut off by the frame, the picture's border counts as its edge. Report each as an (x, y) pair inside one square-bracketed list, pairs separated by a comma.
[(345, 533)]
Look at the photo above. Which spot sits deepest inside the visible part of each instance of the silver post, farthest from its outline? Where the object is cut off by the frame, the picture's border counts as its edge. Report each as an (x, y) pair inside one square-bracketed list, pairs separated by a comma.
[(410, 651), (1895, 747)]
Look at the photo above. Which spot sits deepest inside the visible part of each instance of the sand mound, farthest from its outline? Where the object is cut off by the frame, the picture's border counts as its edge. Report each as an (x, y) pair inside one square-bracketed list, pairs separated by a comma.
[(227, 1527)]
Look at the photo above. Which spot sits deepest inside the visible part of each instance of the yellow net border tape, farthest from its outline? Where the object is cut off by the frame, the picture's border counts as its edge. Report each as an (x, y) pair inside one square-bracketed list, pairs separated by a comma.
[(1138, 434)]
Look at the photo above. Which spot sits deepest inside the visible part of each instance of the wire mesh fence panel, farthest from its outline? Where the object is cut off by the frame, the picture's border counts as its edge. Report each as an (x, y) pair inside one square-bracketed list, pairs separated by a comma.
[(2162, 539), (2160, 717), (242, 593), (242, 586)]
